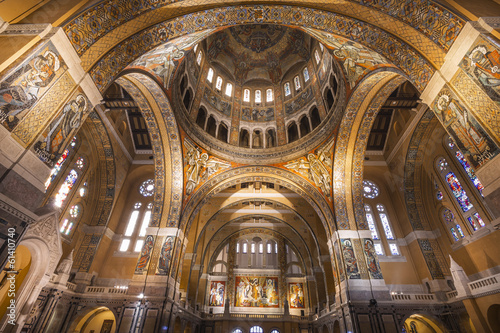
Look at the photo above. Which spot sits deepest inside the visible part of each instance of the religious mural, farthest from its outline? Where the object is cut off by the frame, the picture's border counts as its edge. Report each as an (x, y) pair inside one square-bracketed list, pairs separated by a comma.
[(317, 168), (165, 256), (145, 254), (199, 166), (51, 144), (351, 263), (20, 90), (371, 259), (468, 134), (256, 291), (299, 101), (163, 60), (339, 265), (296, 295), (356, 59), (217, 292), (482, 64), (217, 102), (257, 114)]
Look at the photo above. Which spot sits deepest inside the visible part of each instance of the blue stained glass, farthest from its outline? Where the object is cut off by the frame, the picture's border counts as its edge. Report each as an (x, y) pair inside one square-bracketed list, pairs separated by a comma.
[(458, 192), (57, 168), (470, 172), (473, 223), (66, 188), (454, 234), (460, 232), (479, 219)]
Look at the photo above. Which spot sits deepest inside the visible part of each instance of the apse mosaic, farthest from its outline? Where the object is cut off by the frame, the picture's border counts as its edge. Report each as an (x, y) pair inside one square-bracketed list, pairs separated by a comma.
[(257, 114), (296, 295), (217, 102), (26, 84), (350, 261), (52, 142), (256, 291), (463, 127), (405, 57), (299, 102), (217, 293)]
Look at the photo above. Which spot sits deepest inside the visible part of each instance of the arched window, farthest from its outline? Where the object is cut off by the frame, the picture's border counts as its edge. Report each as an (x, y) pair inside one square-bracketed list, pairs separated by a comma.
[(256, 329), (258, 96), (373, 228), (306, 74), (237, 330), (83, 190), (244, 248), (229, 89), (66, 227), (269, 95), (60, 162), (237, 247), (389, 234), (296, 82), (210, 75), (287, 89), (275, 331), (466, 166), (74, 211), (455, 229), (131, 229), (198, 59), (321, 47), (218, 83), (316, 56), (66, 187), (246, 95)]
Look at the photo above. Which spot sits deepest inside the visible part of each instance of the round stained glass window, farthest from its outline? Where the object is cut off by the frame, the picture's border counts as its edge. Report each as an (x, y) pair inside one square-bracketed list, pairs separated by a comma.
[(439, 195), (370, 190), (147, 188)]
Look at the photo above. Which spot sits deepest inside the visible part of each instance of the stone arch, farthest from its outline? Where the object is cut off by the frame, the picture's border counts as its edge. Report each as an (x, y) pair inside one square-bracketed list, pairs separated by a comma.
[(93, 318), (493, 315)]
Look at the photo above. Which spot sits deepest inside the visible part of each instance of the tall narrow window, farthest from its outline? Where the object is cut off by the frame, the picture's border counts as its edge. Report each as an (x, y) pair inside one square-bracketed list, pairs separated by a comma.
[(132, 221), (245, 248), (316, 55), (269, 248), (145, 220), (237, 247), (371, 222), (306, 74), (458, 191), (269, 95), (66, 227), (455, 229), (287, 89), (198, 59), (252, 247), (385, 221), (57, 168), (218, 84), (258, 96), (296, 82), (66, 188), (261, 248), (246, 95), (467, 168), (210, 75), (229, 89)]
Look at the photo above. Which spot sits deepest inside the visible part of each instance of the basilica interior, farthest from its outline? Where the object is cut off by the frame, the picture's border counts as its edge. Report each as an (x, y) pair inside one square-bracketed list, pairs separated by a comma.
[(250, 166)]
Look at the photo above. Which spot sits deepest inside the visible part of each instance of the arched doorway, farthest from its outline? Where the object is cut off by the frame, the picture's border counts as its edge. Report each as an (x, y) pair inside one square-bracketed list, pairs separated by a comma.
[(494, 317)]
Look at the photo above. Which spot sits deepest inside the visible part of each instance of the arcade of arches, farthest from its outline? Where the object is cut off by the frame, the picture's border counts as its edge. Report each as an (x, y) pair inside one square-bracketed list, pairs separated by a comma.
[(204, 166)]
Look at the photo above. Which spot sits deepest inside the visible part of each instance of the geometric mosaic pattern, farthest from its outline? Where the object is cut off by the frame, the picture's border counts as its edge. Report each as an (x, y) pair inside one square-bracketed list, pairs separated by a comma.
[(401, 54)]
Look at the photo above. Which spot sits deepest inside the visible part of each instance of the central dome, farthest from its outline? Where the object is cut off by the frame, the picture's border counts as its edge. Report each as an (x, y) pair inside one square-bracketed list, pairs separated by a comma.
[(270, 90)]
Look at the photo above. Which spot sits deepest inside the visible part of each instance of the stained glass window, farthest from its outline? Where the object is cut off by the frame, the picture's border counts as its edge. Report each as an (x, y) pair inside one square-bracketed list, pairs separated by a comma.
[(370, 190), (470, 172), (218, 84), (269, 95), (394, 249), (229, 89), (371, 222), (378, 249), (124, 245), (66, 187), (147, 188), (73, 142), (80, 163), (442, 164), (210, 75), (478, 219), (458, 191), (454, 233), (137, 205), (258, 96), (83, 191), (150, 205), (131, 223), (473, 223), (439, 195), (198, 59), (276, 248), (306, 74), (66, 227), (246, 95), (145, 223), (252, 247), (256, 329), (460, 232), (448, 216), (56, 169), (287, 89), (385, 221), (74, 211), (296, 82), (316, 55)]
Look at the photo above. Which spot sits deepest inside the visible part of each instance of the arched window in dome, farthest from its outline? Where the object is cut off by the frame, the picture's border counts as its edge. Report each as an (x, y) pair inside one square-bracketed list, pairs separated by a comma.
[(287, 89), (210, 75), (317, 56), (66, 187), (306, 74), (222, 133), (258, 96), (246, 95), (305, 127), (256, 329), (315, 118), (292, 131), (201, 117), (296, 82), (275, 331), (466, 166), (218, 83), (237, 330), (229, 89), (198, 58), (269, 95)]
